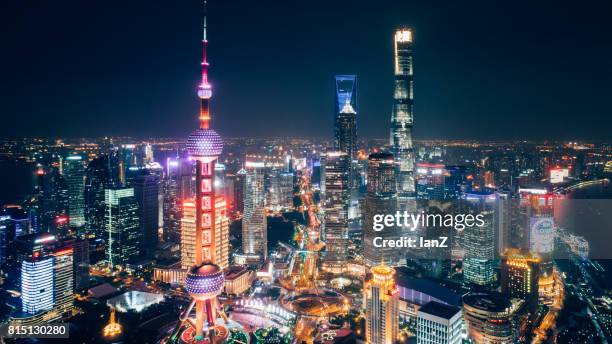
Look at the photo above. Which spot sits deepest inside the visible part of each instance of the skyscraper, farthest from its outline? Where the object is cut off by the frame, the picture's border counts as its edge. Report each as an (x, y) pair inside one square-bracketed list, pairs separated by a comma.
[(503, 220), (80, 262), (97, 178), (345, 120), (430, 181), (37, 284), (221, 233), (479, 243), (457, 180), (239, 190), (439, 323), (280, 192), (188, 233), (402, 114), (337, 198), (285, 189), (381, 198), (74, 174), (254, 221), (176, 187), (541, 236), (6, 239), (146, 191), (127, 159), (63, 281), (520, 272), (381, 302), (46, 198), (122, 226)]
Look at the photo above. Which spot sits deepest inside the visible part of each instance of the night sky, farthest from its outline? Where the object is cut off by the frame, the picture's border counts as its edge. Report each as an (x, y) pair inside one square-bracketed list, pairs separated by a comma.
[(483, 69)]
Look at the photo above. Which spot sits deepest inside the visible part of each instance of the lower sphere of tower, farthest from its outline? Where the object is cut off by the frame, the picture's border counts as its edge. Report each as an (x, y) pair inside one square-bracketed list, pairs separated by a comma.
[(204, 281)]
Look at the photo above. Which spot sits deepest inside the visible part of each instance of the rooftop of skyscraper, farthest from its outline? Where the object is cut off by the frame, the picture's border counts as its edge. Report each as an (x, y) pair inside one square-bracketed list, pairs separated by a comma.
[(439, 309)]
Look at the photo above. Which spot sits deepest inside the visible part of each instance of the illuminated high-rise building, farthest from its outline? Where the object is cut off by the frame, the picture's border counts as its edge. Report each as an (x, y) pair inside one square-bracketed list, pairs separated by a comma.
[(127, 159), (37, 284), (402, 115), (503, 220), (381, 198), (457, 180), (176, 187), (222, 245), (97, 178), (345, 120), (439, 323), (80, 262), (239, 190), (188, 232), (63, 281), (45, 198), (254, 221), (520, 272), (74, 174), (146, 191), (337, 198), (123, 235), (219, 180), (6, 239), (478, 241), (280, 192), (381, 302), (534, 231), (430, 181)]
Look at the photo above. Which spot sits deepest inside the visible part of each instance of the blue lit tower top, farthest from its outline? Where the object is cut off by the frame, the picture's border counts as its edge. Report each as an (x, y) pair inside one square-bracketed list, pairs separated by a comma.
[(346, 94)]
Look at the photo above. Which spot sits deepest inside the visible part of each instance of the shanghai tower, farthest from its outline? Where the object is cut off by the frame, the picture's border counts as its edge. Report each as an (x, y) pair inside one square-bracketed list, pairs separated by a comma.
[(402, 115)]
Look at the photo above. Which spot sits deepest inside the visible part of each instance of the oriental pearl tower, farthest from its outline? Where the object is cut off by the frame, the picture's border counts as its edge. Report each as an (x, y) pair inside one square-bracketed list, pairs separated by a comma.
[(204, 281)]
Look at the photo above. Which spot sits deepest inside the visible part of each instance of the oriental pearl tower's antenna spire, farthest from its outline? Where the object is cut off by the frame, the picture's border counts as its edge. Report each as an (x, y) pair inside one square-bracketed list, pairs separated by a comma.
[(205, 89)]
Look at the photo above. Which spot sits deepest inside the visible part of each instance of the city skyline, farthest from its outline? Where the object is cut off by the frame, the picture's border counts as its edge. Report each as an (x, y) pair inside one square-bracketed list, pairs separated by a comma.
[(338, 234), (142, 69)]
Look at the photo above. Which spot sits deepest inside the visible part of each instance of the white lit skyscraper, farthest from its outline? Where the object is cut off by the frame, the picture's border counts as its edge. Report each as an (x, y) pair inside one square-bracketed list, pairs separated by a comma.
[(188, 232), (439, 323), (122, 226), (63, 284), (37, 285), (337, 198), (402, 114), (280, 192), (254, 222), (478, 241)]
